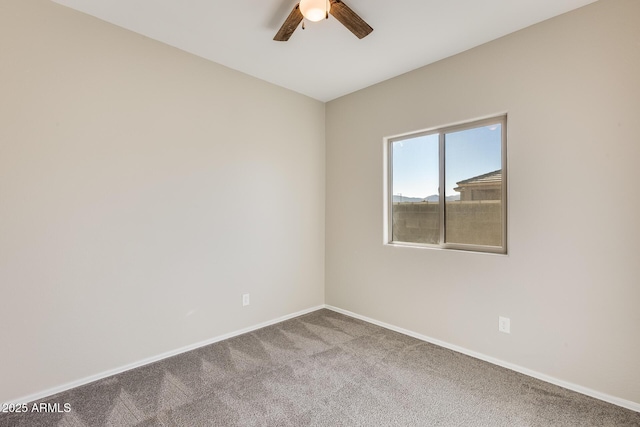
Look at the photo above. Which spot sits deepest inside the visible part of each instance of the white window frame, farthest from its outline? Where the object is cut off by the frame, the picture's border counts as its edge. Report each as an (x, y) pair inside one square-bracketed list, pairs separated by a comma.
[(442, 130)]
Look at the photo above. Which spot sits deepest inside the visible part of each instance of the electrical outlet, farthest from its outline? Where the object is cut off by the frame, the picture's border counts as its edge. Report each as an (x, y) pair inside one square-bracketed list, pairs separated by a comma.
[(504, 324), (245, 299)]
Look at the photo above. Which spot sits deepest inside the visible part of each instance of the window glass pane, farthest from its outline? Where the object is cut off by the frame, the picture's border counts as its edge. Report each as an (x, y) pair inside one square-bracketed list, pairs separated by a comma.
[(473, 186), (415, 211)]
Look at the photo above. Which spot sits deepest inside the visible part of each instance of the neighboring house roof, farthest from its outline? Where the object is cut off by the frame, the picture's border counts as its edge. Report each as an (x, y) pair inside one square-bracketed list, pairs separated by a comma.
[(487, 178), (487, 186)]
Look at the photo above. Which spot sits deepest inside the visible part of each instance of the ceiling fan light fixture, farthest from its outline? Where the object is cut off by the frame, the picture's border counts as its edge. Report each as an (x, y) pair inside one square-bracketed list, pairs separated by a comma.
[(315, 10)]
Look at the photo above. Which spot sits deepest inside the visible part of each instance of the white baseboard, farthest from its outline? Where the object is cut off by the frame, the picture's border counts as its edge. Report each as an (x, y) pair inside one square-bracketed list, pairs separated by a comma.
[(59, 389), (574, 387)]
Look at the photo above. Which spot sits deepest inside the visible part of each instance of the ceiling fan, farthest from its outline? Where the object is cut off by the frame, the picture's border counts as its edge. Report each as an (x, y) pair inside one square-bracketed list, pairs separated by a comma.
[(316, 10)]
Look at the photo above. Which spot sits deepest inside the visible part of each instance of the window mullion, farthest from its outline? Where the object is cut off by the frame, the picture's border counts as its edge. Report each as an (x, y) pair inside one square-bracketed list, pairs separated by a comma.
[(441, 188)]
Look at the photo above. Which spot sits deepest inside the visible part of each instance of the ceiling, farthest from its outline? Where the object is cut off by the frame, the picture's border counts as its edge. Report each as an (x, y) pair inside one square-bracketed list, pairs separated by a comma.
[(325, 61)]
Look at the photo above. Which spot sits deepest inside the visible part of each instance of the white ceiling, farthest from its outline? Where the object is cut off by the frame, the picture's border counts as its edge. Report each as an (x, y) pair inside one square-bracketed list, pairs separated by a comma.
[(325, 61)]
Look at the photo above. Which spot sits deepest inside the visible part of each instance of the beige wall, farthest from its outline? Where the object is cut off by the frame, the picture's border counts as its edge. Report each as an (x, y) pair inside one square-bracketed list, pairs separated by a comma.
[(571, 88), (142, 191)]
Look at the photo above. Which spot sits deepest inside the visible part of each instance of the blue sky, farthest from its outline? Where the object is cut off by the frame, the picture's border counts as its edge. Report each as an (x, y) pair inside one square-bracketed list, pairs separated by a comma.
[(469, 153)]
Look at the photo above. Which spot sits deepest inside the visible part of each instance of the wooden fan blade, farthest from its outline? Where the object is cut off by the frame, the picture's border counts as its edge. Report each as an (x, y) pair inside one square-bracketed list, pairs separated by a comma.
[(349, 19), (290, 24)]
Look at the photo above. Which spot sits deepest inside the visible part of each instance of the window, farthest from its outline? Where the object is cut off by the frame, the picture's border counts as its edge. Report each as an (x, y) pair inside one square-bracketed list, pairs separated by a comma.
[(447, 187)]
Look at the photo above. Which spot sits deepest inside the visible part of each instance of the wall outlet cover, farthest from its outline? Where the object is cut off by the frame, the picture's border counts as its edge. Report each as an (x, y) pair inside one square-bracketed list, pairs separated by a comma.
[(504, 324)]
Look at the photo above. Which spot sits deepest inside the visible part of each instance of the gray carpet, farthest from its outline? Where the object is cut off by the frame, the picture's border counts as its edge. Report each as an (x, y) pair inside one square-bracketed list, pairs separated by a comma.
[(324, 369)]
